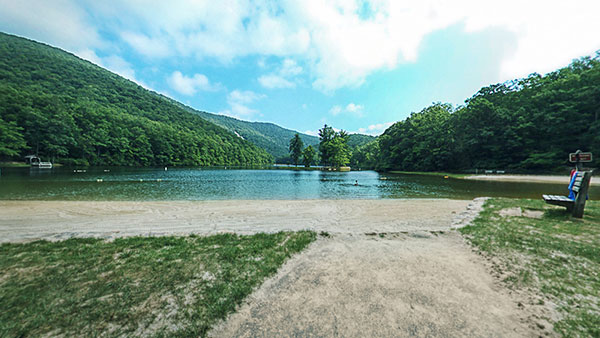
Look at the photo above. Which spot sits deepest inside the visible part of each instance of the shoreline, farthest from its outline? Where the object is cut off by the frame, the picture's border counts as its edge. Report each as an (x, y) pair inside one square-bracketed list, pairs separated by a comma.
[(23, 221), (555, 179)]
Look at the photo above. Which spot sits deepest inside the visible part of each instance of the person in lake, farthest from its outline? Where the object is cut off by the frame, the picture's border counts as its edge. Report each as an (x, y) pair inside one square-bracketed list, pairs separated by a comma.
[(356, 182)]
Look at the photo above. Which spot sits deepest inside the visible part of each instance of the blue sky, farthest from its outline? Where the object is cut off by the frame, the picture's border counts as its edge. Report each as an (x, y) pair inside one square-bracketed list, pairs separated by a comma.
[(356, 65)]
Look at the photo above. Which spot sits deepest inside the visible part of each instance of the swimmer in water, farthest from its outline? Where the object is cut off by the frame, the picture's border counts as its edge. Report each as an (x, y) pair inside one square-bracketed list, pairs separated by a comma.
[(356, 182)]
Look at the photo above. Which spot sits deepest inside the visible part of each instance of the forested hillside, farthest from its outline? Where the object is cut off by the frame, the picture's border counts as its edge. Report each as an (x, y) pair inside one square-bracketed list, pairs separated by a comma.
[(271, 137), (71, 111), (529, 124)]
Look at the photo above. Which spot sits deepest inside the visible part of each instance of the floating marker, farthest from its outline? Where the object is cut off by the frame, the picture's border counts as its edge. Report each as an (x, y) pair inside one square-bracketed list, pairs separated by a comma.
[(99, 180)]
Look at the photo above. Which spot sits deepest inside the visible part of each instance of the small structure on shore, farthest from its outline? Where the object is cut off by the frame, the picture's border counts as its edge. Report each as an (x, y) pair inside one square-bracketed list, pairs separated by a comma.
[(36, 162)]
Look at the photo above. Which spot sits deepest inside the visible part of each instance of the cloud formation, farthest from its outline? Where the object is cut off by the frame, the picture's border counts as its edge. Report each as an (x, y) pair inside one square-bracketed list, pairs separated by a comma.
[(283, 77), (189, 85), (239, 102), (352, 108), (340, 42), (375, 129)]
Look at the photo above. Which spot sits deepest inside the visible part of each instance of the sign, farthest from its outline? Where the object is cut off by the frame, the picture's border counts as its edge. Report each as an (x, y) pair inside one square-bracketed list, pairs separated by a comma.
[(583, 157)]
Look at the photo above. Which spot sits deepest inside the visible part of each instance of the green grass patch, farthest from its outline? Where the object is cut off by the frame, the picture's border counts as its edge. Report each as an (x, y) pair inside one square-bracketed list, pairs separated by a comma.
[(157, 286), (555, 255)]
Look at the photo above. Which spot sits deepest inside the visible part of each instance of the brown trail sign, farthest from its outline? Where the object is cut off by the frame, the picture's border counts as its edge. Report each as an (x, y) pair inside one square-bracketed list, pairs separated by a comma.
[(583, 157)]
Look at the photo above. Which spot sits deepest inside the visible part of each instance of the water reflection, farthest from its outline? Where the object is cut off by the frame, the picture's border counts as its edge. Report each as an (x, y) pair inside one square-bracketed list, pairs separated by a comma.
[(211, 184)]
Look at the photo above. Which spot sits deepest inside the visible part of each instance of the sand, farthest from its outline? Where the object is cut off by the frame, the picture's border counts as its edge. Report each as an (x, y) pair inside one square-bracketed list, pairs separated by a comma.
[(56, 220), (563, 179), (388, 267)]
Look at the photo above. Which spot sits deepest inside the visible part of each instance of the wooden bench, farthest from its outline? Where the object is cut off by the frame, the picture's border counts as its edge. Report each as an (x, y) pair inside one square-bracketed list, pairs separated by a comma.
[(580, 189)]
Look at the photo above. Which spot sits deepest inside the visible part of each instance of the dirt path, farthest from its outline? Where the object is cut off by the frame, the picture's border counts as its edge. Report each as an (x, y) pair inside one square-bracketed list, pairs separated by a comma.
[(422, 284), (56, 220)]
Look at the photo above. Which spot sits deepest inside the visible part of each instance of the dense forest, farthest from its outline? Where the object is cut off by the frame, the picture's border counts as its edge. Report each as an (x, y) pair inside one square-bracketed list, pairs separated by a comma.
[(529, 124), (68, 110)]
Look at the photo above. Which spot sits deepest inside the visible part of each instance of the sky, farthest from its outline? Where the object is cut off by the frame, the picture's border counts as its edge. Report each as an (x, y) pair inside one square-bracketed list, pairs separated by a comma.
[(354, 65)]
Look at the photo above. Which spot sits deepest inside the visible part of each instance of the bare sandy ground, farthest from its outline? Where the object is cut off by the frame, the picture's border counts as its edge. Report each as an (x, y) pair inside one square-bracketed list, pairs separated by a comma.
[(564, 179), (390, 268), (56, 220), (404, 285)]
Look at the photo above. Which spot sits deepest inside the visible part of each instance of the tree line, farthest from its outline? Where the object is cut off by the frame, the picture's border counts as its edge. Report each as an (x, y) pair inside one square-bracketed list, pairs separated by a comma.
[(528, 124)]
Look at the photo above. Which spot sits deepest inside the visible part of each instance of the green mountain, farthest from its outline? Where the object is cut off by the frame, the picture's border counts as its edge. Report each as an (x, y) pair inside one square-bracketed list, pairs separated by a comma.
[(271, 137), (69, 110)]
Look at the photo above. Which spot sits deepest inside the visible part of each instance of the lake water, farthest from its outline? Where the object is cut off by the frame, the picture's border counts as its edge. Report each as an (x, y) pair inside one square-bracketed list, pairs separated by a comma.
[(217, 184)]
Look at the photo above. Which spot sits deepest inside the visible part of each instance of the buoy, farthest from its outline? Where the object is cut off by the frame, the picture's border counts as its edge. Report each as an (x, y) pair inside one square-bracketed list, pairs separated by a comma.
[(141, 180), (165, 168), (446, 176), (99, 180)]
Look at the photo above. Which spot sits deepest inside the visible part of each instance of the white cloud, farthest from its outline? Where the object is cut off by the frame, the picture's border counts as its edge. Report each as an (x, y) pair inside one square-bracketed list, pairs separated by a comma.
[(238, 104), (153, 47), (335, 110), (339, 43), (190, 85), (352, 108), (311, 132), (283, 77), (62, 23), (375, 129), (275, 81)]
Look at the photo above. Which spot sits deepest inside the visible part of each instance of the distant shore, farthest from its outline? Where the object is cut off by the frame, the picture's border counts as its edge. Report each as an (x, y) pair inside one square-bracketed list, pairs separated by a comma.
[(562, 179)]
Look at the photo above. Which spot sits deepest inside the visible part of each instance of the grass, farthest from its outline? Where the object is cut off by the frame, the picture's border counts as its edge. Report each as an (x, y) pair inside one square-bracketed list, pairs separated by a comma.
[(556, 256), (157, 286), (430, 173)]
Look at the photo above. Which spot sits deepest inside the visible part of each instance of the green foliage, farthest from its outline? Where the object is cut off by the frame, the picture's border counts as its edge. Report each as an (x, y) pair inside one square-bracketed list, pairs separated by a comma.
[(333, 147), (308, 156), (295, 148), (69, 110), (11, 139), (524, 124)]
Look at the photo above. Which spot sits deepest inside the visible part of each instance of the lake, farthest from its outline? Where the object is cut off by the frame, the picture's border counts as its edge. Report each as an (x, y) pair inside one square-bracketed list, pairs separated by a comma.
[(218, 184)]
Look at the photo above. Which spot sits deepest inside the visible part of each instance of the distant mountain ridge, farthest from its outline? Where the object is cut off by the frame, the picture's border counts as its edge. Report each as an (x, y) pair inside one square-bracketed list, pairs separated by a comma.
[(269, 136)]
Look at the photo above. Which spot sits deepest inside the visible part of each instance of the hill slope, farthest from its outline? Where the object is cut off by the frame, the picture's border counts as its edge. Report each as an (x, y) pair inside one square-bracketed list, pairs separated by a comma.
[(67, 109), (271, 137)]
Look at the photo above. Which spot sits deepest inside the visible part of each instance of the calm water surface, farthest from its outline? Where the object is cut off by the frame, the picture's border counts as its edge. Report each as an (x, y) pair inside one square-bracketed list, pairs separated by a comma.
[(217, 184)]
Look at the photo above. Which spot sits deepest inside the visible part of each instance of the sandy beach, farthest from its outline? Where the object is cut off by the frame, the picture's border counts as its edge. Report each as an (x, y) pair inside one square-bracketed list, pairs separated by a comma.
[(56, 220), (564, 179)]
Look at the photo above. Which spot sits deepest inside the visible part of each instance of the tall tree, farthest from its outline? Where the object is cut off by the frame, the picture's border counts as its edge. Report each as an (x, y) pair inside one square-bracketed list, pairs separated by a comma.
[(296, 146), (308, 156), (326, 135)]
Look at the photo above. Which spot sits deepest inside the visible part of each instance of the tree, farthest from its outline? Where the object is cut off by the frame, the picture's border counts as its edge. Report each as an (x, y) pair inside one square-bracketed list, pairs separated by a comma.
[(334, 147), (11, 139), (326, 135), (308, 156), (296, 146)]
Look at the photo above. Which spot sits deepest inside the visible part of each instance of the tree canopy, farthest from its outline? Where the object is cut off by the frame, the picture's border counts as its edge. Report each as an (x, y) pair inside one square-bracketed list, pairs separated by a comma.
[(529, 124)]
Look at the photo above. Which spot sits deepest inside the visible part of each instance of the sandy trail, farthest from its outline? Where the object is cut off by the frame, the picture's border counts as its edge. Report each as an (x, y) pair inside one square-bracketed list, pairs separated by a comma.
[(56, 220), (366, 286)]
